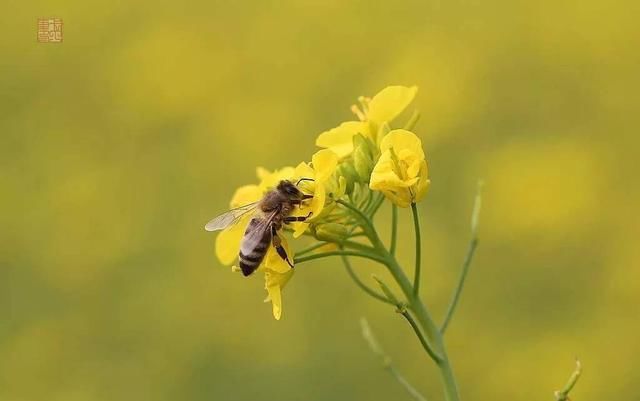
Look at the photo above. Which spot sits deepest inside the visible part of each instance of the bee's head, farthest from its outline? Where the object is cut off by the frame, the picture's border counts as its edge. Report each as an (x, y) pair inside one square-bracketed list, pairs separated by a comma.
[(288, 188)]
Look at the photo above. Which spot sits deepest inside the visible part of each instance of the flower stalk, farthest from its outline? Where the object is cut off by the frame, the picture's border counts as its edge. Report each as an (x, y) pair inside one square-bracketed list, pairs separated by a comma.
[(417, 271), (394, 229)]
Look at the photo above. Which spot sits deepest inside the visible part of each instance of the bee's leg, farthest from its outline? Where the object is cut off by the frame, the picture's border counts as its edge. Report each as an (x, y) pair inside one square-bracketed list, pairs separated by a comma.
[(299, 201), (291, 219), (277, 243)]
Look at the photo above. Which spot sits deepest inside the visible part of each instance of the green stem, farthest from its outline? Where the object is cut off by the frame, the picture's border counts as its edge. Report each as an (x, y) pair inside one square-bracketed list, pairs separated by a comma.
[(432, 335), (371, 256), (311, 248), (362, 285), (463, 275), (356, 235), (376, 205), (404, 312), (563, 395), (431, 332), (357, 246), (386, 361), (394, 229), (416, 274)]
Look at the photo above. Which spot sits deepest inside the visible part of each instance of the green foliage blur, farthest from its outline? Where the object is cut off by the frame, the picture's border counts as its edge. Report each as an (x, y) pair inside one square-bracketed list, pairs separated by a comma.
[(119, 144)]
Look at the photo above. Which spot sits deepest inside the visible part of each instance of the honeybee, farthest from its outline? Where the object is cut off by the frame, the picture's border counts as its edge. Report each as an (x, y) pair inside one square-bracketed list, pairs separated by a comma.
[(272, 211)]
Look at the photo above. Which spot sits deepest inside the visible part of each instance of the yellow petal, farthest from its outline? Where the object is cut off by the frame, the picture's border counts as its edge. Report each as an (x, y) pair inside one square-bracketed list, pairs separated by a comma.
[(389, 103), (228, 241), (275, 297), (299, 229), (340, 139), (304, 170), (271, 180), (324, 164), (423, 184), (262, 172), (413, 170), (384, 174), (402, 140), (319, 197), (400, 189), (401, 197), (273, 261), (273, 278), (386, 180), (274, 283), (315, 207), (246, 194)]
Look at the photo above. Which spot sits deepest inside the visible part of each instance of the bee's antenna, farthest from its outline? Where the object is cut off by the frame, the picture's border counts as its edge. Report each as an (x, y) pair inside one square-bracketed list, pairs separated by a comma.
[(304, 179)]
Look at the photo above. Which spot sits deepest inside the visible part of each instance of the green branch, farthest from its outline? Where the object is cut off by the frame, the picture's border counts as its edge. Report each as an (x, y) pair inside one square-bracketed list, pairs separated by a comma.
[(425, 344), (431, 333), (362, 285), (563, 395), (375, 347), (463, 276), (338, 253), (311, 248), (473, 244), (357, 246)]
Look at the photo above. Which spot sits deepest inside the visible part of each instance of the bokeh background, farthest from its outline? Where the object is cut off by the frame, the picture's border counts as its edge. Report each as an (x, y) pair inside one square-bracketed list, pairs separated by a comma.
[(117, 145)]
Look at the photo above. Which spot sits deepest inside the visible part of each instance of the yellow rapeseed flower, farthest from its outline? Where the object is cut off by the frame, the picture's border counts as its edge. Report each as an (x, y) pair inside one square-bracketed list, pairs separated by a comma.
[(276, 274), (401, 171), (277, 271), (388, 104), (321, 170)]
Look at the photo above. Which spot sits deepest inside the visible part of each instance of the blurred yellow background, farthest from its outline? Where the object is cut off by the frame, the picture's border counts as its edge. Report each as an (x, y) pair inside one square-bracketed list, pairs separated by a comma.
[(117, 145)]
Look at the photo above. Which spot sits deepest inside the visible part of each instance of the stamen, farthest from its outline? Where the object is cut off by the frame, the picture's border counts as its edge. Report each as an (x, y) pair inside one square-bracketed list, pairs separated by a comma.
[(364, 102), (355, 110)]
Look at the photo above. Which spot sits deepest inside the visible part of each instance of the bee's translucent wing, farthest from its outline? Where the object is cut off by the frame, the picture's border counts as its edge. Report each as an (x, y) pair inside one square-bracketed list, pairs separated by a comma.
[(230, 217), (257, 229)]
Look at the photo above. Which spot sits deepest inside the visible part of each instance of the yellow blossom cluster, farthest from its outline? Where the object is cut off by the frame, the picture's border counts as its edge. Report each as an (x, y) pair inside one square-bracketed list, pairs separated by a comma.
[(358, 159)]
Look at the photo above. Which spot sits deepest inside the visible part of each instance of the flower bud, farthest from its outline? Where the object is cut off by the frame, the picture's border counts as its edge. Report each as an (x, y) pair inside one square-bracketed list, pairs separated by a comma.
[(331, 232), (363, 155), (350, 175)]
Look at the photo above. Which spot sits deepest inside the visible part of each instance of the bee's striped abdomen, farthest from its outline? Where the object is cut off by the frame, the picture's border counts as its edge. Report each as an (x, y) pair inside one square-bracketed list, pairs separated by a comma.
[(254, 246)]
